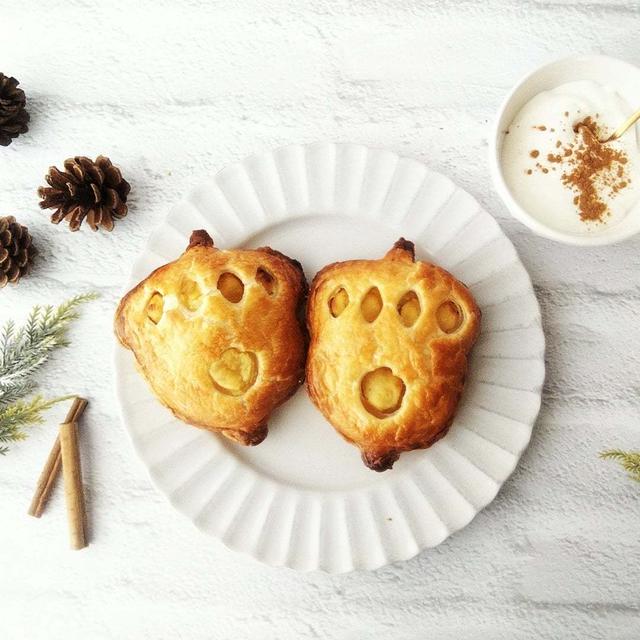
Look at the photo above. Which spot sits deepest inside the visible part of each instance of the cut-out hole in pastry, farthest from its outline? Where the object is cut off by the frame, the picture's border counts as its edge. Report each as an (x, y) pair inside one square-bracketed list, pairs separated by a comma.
[(409, 308), (338, 302), (230, 286), (234, 372), (155, 307), (382, 392), (371, 304), (449, 316), (266, 280), (190, 294)]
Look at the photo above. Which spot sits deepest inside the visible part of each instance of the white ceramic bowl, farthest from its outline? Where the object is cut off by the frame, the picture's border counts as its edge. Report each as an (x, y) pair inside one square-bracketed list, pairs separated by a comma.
[(624, 78)]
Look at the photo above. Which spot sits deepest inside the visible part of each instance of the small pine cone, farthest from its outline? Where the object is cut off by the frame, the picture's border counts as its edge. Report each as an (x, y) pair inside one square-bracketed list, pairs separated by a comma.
[(13, 115), (16, 251), (86, 189)]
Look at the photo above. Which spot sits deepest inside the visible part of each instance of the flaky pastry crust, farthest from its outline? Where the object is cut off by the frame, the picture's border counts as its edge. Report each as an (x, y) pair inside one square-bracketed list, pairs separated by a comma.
[(389, 341), (219, 335)]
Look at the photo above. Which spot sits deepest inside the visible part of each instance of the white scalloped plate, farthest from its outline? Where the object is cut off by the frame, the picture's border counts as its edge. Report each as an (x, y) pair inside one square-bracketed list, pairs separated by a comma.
[(303, 498)]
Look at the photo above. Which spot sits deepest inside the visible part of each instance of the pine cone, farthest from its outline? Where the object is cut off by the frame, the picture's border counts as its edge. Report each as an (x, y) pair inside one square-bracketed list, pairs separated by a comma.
[(86, 189), (13, 115), (16, 250)]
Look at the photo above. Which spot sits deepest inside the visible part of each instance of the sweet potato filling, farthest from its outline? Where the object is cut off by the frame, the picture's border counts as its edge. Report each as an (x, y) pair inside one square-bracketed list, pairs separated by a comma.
[(231, 287), (234, 372), (190, 294), (338, 302), (382, 392), (155, 307), (409, 308), (449, 316), (371, 304), (266, 280)]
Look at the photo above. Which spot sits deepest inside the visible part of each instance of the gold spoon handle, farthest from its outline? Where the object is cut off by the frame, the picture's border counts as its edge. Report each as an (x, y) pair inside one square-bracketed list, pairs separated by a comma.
[(624, 126)]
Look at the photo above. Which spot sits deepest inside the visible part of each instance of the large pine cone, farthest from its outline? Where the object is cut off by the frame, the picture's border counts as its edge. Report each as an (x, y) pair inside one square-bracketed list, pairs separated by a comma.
[(86, 189), (16, 251), (13, 115)]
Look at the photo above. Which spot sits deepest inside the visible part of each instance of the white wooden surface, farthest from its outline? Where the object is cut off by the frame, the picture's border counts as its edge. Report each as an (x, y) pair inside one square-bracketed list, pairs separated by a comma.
[(172, 92)]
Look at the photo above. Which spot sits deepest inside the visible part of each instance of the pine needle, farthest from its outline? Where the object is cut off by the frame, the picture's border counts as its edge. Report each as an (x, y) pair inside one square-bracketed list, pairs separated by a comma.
[(15, 417), (629, 460), (12, 392), (22, 352), (25, 350)]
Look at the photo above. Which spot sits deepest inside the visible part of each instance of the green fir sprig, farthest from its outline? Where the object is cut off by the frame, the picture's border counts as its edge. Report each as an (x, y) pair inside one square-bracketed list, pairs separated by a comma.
[(629, 460), (23, 413), (22, 352)]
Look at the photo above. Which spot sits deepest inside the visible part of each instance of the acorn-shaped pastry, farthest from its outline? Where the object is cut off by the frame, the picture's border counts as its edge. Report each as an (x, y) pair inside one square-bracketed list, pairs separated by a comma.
[(389, 341), (219, 335)]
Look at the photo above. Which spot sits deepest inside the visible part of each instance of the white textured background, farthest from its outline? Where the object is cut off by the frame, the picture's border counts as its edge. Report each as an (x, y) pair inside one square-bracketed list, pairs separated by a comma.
[(174, 91)]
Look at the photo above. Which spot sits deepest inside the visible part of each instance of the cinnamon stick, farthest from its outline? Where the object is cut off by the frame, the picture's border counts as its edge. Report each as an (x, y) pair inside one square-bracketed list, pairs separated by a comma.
[(51, 469), (73, 491), (46, 481)]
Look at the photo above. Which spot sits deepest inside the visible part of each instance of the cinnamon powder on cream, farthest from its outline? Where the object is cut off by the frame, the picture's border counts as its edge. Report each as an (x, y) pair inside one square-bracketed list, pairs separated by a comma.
[(593, 172)]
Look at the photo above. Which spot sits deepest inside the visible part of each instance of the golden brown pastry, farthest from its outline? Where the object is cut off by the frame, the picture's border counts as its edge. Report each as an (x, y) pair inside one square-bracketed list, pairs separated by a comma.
[(388, 352), (219, 335)]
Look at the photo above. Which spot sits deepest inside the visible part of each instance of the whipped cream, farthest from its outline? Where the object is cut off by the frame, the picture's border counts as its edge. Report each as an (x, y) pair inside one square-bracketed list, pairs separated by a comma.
[(533, 161)]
